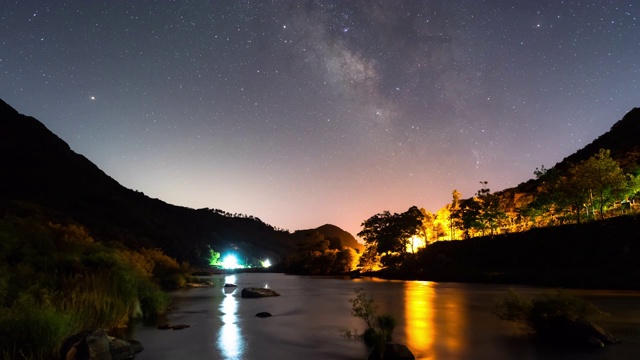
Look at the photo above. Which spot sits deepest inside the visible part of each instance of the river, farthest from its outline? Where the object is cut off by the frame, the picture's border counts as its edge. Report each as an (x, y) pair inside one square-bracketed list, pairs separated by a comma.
[(435, 320)]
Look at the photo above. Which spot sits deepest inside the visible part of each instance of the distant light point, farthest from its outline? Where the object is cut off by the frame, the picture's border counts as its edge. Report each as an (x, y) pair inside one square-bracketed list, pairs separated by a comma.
[(92, 97)]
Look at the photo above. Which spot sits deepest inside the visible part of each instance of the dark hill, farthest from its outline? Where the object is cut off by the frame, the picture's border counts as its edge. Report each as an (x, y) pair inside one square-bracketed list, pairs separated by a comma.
[(337, 237), (623, 140), (42, 174)]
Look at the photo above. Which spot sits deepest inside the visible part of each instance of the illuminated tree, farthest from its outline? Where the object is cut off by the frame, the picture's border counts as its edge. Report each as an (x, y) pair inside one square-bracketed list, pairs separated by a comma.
[(441, 222), (315, 257), (370, 260), (214, 258), (470, 211), (490, 213), (391, 233), (602, 178), (455, 214), (597, 182), (432, 226)]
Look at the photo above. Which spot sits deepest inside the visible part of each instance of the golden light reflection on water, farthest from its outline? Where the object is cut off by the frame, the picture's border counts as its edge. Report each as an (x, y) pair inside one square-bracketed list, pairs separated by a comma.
[(419, 314), (230, 337), (435, 320)]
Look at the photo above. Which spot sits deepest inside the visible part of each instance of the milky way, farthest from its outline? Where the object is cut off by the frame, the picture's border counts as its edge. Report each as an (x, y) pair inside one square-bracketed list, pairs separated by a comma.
[(310, 112)]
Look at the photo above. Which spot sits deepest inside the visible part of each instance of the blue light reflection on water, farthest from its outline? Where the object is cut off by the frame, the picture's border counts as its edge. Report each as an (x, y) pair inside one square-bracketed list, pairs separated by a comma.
[(230, 340)]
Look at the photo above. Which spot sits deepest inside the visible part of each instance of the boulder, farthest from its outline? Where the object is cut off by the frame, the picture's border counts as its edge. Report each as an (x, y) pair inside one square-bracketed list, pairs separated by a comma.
[(180, 327), (97, 345), (173, 327), (392, 351), (263, 314), (121, 350), (136, 345), (258, 293)]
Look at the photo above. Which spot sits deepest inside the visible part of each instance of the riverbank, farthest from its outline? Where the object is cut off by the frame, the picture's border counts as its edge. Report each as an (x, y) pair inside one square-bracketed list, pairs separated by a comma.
[(595, 255)]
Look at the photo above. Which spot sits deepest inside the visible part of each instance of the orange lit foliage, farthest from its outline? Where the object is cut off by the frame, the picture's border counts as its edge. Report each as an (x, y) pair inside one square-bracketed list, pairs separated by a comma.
[(169, 273)]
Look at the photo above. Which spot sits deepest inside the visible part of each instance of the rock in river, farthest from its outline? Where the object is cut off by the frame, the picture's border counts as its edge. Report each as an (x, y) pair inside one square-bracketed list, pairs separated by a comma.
[(97, 345), (258, 293), (392, 351)]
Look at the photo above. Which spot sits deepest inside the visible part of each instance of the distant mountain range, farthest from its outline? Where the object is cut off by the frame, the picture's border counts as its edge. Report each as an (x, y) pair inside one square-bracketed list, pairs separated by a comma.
[(42, 176)]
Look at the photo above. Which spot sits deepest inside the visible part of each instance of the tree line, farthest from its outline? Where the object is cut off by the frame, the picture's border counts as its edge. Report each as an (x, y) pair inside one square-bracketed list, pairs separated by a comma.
[(592, 189)]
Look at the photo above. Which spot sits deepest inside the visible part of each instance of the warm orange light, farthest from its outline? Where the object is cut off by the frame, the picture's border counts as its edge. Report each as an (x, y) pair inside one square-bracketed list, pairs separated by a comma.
[(416, 243), (435, 320), (419, 315)]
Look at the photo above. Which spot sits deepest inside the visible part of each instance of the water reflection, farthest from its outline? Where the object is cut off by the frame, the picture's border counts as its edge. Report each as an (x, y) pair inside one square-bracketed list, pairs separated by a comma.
[(230, 337), (437, 321), (419, 314), (434, 319)]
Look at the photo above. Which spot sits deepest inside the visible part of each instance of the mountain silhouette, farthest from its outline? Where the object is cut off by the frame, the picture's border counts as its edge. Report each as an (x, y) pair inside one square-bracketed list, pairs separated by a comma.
[(42, 176), (337, 237), (622, 140)]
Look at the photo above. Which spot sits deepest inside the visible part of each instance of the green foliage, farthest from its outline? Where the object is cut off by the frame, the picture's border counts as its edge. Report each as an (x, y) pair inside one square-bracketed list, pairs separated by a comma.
[(55, 280), (379, 327), (605, 180), (541, 314), (166, 270), (587, 187), (214, 258), (32, 329)]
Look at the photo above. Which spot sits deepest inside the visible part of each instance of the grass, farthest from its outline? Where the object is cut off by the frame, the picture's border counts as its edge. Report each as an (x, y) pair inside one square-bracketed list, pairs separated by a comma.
[(56, 281)]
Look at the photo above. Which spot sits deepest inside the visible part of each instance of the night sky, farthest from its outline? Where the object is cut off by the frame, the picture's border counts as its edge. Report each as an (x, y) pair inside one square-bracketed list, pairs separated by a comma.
[(310, 112)]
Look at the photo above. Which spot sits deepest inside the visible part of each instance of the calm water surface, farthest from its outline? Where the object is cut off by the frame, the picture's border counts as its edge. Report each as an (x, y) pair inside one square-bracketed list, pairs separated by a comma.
[(435, 320)]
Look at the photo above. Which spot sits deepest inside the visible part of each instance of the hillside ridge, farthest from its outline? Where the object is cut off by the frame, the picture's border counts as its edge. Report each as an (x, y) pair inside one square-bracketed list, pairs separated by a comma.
[(47, 176)]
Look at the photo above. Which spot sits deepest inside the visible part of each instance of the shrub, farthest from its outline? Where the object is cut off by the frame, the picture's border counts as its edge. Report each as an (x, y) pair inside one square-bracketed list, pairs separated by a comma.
[(379, 327), (55, 281), (541, 315)]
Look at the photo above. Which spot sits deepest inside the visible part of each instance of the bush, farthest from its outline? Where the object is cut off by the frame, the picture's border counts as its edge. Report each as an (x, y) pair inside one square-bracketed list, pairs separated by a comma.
[(379, 327), (541, 315), (55, 281)]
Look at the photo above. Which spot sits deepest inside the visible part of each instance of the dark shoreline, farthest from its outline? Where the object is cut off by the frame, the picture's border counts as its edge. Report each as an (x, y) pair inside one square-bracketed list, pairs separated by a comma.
[(601, 255)]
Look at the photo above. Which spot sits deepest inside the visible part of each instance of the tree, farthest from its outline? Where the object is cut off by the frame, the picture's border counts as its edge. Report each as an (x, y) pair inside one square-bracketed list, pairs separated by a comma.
[(602, 178), (469, 217), (391, 233), (596, 182), (490, 212), (481, 212), (370, 260), (454, 213)]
